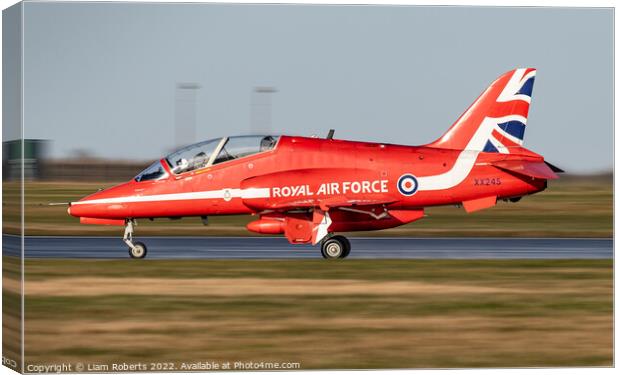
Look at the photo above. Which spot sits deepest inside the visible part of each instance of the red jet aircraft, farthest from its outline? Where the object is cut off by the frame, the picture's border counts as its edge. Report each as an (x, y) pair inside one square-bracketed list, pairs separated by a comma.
[(309, 188)]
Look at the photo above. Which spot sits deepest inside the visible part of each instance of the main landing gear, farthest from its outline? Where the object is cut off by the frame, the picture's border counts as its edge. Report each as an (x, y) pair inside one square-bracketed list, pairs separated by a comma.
[(137, 250), (335, 247)]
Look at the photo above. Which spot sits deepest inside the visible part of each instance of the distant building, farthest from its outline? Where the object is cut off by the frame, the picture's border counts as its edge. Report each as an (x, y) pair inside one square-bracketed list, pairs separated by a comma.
[(34, 153)]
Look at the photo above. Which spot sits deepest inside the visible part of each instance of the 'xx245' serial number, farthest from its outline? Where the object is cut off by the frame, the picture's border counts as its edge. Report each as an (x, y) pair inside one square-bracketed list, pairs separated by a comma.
[(487, 181)]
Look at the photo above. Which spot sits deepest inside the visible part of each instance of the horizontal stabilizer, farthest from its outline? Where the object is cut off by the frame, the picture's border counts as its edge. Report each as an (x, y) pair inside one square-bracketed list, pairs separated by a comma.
[(554, 168), (536, 169)]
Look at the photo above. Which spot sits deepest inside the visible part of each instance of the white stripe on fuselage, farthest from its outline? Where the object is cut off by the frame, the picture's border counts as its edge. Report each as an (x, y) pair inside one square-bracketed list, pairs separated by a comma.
[(464, 162), (213, 194)]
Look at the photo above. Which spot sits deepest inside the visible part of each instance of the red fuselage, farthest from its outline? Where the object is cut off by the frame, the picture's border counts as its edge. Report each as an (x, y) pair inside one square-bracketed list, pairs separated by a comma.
[(294, 171)]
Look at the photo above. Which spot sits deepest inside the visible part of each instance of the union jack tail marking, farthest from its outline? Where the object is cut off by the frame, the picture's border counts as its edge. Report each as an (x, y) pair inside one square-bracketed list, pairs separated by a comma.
[(496, 121)]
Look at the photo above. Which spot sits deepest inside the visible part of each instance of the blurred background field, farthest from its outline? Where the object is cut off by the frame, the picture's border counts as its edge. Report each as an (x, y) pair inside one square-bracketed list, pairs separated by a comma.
[(354, 314), (573, 206)]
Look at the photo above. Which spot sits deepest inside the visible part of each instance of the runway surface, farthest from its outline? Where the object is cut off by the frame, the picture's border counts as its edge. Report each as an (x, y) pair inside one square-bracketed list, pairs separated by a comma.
[(273, 248)]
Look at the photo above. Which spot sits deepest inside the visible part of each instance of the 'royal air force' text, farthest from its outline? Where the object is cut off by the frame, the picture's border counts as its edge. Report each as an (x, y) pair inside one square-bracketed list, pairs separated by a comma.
[(330, 188)]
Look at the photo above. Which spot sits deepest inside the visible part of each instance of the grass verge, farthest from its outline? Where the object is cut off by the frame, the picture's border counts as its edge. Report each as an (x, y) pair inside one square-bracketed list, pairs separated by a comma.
[(350, 314)]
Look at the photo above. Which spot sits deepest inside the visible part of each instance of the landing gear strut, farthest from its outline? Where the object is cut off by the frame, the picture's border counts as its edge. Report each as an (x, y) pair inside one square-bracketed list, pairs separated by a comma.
[(335, 247), (137, 250)]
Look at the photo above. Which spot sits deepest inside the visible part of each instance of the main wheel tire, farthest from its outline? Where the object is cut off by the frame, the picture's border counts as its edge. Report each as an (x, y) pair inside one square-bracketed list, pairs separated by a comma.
[(347, 246), (139, 250), (333, 247)]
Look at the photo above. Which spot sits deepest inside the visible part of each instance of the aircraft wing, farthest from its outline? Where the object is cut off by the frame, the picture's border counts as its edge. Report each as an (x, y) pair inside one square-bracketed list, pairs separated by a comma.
[(326, 204)]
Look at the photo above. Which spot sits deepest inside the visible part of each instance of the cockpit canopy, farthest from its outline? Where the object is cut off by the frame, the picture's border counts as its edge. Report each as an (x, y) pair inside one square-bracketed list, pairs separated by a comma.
[(210, 152)]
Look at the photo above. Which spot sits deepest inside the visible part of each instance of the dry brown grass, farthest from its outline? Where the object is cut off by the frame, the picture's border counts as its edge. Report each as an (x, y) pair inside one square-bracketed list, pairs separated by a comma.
[(438, 314), (370, 342), (93, 286)]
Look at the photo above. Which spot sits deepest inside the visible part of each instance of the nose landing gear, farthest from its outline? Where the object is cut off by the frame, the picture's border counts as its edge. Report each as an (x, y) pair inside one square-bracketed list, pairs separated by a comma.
[(137, 250), (335, 247)]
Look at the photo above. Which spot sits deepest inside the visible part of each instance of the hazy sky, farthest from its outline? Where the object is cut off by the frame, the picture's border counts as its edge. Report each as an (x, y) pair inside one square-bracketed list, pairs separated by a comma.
[(102, 77)]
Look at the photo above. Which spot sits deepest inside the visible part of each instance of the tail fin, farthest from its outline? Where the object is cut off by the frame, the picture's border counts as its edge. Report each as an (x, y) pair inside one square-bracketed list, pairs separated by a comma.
[(495, 122)]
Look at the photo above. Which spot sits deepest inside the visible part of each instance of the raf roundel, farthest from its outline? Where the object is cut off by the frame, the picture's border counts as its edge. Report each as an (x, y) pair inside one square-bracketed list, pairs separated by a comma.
[(407, 184)]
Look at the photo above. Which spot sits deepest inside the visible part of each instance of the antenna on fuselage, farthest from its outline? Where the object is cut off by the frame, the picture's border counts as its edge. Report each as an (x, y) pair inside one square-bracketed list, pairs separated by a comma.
[(330, 135)]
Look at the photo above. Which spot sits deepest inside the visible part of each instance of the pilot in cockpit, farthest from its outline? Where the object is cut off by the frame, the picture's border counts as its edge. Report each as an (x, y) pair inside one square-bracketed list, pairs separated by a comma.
[(267, 143)]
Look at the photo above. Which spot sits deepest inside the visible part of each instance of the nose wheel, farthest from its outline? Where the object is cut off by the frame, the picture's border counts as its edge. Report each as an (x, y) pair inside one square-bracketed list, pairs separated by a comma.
[(335, 247), (137, 250)]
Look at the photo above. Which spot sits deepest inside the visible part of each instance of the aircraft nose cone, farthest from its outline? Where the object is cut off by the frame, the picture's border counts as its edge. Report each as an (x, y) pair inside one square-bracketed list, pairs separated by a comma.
[(82, 209), (102, 204)]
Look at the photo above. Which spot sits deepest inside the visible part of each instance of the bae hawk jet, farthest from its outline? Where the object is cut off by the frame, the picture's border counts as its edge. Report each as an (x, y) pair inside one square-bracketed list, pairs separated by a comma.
[(312, 189)]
